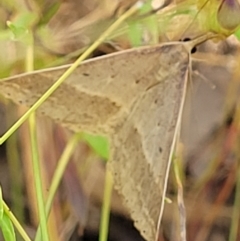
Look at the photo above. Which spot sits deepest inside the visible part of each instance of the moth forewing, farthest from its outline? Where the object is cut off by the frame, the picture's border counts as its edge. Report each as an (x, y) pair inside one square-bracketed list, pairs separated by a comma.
[(102, 89), (146, 141), (136, 98), (143, 144)]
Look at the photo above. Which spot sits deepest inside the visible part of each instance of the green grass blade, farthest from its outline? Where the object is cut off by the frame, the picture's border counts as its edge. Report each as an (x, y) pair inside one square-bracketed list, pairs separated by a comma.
[(37, 178), (105, 214), (57, 177)]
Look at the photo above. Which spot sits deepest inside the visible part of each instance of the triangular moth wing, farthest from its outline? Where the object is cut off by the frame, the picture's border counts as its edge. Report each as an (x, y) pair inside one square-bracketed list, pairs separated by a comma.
[(143, 143)]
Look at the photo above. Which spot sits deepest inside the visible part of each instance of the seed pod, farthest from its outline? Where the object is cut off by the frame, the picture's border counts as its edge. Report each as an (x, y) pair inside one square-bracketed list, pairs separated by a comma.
[(228, 14)]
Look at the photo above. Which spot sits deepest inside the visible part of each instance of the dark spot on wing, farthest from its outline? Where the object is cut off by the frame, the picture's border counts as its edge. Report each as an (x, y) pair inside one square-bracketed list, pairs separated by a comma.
[(194, 50), (137, 81), (186, 39), (160, 149), (86, 74)]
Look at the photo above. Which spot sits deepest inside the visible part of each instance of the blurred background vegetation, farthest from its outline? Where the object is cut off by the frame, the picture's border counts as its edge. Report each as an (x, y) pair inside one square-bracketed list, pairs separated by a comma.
[(208, 163)]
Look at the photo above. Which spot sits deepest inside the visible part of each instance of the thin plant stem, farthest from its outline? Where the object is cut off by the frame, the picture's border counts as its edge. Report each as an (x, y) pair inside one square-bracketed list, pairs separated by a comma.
[(105, 214), (63, 161), (29, 63), (180, 200), (57, 177), (37, 178)]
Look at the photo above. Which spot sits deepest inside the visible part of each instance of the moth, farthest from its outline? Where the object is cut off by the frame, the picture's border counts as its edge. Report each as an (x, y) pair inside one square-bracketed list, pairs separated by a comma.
[(135, 98)]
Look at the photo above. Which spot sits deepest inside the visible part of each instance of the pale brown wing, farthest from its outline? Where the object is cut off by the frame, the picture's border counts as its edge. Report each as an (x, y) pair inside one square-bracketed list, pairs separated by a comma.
[(142, 145), (96, 95), (135, 96)]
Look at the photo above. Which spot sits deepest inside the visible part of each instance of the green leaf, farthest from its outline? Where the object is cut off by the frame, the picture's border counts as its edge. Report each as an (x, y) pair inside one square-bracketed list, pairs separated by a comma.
[(21, 25), (229, 14), (99, 144), (18, 31), (7, 228)]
